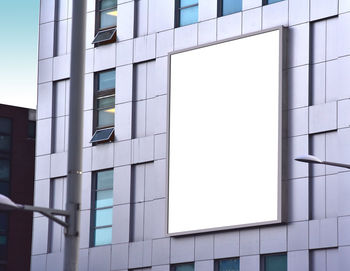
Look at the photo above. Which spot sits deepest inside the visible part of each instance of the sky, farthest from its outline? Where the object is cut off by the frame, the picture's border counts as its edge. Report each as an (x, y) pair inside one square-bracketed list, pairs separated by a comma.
[(19, 25)]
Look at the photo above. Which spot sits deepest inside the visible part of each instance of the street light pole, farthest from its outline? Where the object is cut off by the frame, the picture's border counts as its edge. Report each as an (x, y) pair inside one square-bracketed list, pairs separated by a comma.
[(310, 159)]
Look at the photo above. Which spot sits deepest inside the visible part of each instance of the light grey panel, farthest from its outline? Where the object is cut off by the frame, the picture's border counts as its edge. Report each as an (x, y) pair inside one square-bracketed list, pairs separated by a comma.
[(333, 259), (141, 14), (318, 197), (125, 21), (343, 39), (58, 164), (138, 183), (60, 98), (91, 5), (86, 191), (137, 221), (139, 119), (42, 193), (318, 41), (100, 258), (54, 262), (204, 265), (47, 11), (42, 167), (182, 249), (298, 199), (344, 113), (88, 129), (160, 80), (121, 218), (229, 26), (298, 11), (147, 254), (87, 154), (298, 45), (62, 9), (44, 107), (155, 219), (161, 251), (318, 90), (124, 52), (61, 37), (160, 146), (344, 230), (90, 30), (89, 61), (123, 121), (45, 70), (122, 153), (344, 259), (38, 263), (145, 48), (332, 81), (249, 241), (121, 187), (61, 67), (298, 260), (318, 260), (320, 9), (43, 135), (135, 254), (102, 156), (165, 42), (344, 6), (252, 20), (297, 146), (69, 34), (226, 244), (84, 229), (332, 38), (140, 81), (155, 180), (161, 15), (124, 84), (323, 117), (207, 9), (343, 79), (343, 194), (249, 4), (153, 76), (249, 263), (298, 235), (275, 15), (40, 231), (161, 268), (273, 239), (186, 36), (120, 255), (207, 31), (333, 150), (155, 118), (104, 57), (59, 133), (344, 147), (46, 37), (142, 149), (204, 247), (331, 196), (298, 87), (298, 121), (83, 260), (323, 233)]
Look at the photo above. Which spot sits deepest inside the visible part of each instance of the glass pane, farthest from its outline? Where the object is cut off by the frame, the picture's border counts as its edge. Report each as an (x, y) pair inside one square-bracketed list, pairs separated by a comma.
[(108, 18), (185, 3), (31, 129), (105, 118), (188, 16), (108, 4), (4, 189), (4, 170), (273, 1), (5, 143), (3, 252), (276, 263), (106, 80), (104, 198), (103, 236), (5, 125), (105, 179), (231, 6), (184, 267), (2, 267), (107, 102), (3, 240), (229, 265), (3, 222), (103, 217)]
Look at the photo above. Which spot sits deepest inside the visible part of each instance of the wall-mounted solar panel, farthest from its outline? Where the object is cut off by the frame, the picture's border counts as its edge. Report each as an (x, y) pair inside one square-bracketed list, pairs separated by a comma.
[(105, 35), (102, 135)]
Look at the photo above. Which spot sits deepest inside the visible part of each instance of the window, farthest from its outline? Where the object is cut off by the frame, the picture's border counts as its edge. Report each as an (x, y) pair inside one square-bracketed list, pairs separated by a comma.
[(268, 2), (183, 267), (102, 208), (275, 262), (226, 7), (31, 129), (227, 264), (5, 134), (3, 237), (186, 12), (106, 19), (104, 106)]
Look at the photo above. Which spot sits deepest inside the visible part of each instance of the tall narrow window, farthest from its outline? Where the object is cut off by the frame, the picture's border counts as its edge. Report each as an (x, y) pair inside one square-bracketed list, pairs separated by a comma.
[(106, 20), (268, 2), (186, 12), (274, 262), (102, 208), (104, 106), (227, 264), (226, 7)]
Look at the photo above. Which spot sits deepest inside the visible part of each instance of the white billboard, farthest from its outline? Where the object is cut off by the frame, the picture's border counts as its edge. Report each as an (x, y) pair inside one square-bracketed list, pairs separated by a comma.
[(225, 134)]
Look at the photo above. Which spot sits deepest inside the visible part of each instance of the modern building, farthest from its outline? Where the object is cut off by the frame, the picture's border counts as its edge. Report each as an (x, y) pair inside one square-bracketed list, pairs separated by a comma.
[(126, 221), (17, 151)]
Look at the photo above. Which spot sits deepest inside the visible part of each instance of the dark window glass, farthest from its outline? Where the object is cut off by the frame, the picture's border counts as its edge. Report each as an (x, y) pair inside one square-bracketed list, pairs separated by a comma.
[(105, 111), (106, 80), (231, 6), (187, 12), (3, 223), (183, 267), (5, 125), (3, 248), (107, 13), (4, 188), (268, 2), (228, 265), (31, 129), (5, 143), (4, 170), (275, 262), (108, 4), (2, 267)]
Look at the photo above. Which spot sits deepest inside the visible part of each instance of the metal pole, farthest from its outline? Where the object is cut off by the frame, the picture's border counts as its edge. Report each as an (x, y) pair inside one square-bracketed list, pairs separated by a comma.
[(77, 69)]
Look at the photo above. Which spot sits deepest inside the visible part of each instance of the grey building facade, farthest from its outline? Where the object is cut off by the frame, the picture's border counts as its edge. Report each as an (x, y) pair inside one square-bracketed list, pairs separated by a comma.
[(123, 211)]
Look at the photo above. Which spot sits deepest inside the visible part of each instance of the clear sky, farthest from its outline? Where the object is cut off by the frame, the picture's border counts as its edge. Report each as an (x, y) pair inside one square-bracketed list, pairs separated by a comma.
[(19, 24)]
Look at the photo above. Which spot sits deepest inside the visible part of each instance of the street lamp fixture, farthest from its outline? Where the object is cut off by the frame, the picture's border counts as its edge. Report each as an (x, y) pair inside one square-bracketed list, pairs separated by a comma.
[(315, 160)]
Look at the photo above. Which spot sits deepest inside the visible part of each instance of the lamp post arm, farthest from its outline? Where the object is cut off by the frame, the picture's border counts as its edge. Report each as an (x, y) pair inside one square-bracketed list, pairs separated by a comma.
[(336, 164)]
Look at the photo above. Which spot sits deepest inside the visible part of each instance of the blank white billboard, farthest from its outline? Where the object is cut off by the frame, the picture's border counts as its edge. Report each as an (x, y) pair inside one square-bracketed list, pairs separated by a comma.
[(225, 135)]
